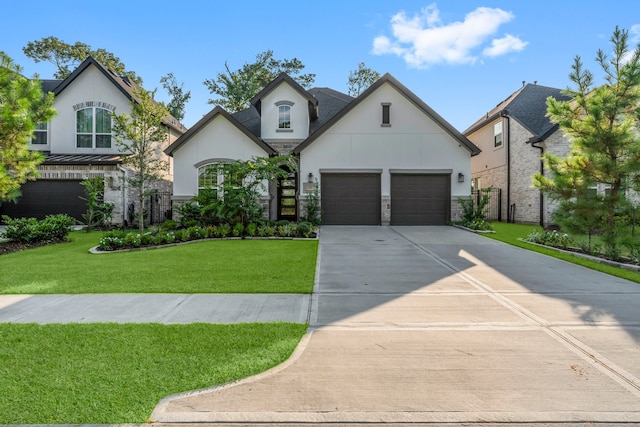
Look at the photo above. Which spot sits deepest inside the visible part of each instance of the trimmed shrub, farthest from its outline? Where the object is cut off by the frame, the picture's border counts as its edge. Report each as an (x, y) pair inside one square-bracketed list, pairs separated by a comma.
[(30, 230)]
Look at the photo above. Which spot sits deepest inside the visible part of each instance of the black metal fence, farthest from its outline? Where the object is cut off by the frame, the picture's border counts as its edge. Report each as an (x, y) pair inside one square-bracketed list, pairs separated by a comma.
[(157, 209), (493, 210), (158, 206)]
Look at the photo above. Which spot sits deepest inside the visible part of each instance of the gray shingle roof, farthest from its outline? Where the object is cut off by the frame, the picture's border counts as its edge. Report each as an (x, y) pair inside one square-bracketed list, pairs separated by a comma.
[(49, 85), (330, 102), (527, 105)]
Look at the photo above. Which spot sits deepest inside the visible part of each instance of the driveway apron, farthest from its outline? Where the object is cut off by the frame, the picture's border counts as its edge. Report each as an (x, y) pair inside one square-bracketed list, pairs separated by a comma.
[(435, 324)]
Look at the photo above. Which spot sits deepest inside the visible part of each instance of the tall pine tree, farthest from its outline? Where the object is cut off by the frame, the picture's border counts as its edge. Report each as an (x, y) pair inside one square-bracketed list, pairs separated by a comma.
[(603, 124)]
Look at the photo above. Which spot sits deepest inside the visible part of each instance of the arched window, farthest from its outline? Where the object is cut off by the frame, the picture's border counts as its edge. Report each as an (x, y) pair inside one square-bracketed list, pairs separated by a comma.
[(284, 117), (93, 128)]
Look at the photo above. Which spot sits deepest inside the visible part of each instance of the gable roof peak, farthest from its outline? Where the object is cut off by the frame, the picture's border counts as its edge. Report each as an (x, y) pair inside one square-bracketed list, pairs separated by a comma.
[(217, 111), (283, 77), (410, 96)]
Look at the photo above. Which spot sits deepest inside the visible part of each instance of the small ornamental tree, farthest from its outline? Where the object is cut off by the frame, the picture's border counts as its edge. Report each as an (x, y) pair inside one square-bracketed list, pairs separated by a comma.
[(140, 135), (603, 125), (22, 107), (237, 199)]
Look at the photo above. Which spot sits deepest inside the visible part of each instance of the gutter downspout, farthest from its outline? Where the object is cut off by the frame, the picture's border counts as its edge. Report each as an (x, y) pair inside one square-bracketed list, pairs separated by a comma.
[(533, 144), (124, 193), (505, 115)]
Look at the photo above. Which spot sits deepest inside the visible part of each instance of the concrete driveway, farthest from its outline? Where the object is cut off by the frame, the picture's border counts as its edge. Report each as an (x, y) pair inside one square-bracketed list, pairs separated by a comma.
[(437, 325)]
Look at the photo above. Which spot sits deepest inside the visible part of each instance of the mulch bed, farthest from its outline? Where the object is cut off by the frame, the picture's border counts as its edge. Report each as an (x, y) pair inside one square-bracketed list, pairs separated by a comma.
[(7, 247)]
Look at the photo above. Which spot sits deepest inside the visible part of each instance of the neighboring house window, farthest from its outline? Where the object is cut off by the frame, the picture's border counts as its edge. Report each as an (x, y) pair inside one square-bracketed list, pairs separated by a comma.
[(386, 114), (93, 128), (497, 134), (40, 134), (284, 117)]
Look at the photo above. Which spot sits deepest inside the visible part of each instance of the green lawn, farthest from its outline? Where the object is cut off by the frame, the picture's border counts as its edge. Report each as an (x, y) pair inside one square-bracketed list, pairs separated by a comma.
[(117, 373), (510, 233), (216, 266)]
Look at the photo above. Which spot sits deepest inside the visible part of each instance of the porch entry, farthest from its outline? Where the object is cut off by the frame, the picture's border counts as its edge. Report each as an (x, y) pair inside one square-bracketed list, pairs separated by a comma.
[(287, 201)]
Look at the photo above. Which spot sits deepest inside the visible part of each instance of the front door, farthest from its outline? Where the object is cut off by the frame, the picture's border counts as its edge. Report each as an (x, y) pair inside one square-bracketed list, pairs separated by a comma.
[(287, 202)]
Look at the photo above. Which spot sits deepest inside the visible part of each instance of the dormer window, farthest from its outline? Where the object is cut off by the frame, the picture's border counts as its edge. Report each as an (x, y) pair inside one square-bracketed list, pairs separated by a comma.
[(284, 116)]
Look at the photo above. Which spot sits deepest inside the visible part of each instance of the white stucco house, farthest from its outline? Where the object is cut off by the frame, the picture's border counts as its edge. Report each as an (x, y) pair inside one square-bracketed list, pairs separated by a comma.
[(78, 143), (384, 157)]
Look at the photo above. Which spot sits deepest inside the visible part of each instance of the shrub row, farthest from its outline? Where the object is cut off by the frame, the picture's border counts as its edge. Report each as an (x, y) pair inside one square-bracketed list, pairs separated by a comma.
[(114, 240), (30, 230)]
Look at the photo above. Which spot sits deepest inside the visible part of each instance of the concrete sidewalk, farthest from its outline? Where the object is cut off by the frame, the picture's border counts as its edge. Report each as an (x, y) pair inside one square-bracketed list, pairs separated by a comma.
[(437, 325), (155, 308)]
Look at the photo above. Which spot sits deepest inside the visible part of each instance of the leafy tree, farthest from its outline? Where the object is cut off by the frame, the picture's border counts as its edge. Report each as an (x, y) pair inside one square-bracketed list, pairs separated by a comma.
[(22, 106), (179, 97), (361, 79), (236, 88), (66, 57), (140, 135), (602, 123)]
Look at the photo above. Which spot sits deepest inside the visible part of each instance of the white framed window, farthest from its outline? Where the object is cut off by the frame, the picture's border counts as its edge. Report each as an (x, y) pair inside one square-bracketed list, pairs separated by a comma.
[(386, 114), (93, 128), (40, 134), (497, 134), (284, 117)]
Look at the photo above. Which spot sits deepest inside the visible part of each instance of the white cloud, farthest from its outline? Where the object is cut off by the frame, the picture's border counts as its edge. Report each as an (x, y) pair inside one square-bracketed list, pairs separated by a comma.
[(504, 45), (423, 39), (634, 32)]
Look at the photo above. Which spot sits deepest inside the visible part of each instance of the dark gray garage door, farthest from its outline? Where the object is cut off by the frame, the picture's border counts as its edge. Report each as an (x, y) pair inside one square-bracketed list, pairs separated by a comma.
[(48, 197), (420, 199), (350, 198)]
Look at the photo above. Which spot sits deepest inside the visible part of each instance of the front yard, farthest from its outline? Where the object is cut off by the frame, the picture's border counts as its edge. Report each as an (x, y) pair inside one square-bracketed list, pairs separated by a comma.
[(215, 266), (117, 373)]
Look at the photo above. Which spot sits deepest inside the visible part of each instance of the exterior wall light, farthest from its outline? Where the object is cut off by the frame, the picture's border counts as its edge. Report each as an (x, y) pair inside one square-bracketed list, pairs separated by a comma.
[(460, 177)]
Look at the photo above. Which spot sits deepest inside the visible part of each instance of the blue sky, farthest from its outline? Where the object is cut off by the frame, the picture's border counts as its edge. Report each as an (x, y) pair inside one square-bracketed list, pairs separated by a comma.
[(461, 57)]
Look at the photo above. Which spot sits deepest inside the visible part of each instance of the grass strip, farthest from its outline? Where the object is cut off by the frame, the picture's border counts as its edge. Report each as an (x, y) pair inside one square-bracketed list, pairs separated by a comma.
[(510, 233), (216, 266), (117, 373)]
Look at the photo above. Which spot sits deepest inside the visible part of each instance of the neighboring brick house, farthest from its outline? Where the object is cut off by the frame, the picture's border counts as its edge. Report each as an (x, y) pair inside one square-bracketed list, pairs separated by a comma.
[(78, 143), (513, 136), (384, 157)]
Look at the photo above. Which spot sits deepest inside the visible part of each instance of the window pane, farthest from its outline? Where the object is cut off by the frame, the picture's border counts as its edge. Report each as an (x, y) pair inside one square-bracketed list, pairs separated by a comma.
[(84, 141), (103, 141), (84, 120), (39, 137), (208, 176), (103, 121), (284, 117)]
